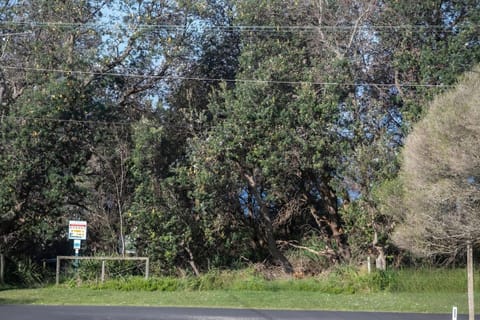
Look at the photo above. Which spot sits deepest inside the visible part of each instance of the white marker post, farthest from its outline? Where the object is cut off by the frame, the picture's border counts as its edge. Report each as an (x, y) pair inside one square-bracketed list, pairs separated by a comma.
[(454, 313), (77, 244)]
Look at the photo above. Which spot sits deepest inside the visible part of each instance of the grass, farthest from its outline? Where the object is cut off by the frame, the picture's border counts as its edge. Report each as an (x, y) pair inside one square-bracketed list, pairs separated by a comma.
[(433, 291), (432, 280), (439, 302)]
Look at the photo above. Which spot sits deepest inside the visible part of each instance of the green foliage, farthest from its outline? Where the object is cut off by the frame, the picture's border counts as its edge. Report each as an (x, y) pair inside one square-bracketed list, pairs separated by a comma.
[(446, 46), (433, 280), (85, 270), (49, 147), (339, 282), (359, 227), (24, 272), (142, 138)]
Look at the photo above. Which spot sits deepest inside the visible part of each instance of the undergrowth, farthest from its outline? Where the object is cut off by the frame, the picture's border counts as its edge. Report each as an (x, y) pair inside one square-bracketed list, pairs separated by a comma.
[(342, 280)]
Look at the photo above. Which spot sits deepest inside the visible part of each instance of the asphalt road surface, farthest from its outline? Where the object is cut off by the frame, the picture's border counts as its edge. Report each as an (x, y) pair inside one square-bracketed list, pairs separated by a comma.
[(31, 312)]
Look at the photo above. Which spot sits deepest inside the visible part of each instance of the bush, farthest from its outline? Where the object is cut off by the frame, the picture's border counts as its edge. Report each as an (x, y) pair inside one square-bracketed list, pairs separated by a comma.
[(341, 280), (384, 280), (24, 272)]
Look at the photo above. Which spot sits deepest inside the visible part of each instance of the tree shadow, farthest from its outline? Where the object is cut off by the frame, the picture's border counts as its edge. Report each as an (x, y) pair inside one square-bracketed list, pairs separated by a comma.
[(19, 300), (9, 301)]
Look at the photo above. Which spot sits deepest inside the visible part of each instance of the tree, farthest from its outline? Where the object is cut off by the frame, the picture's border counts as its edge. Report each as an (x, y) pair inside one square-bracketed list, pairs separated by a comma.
[(43, 145), (440, 175), (168, 225), (60, 83), (436, 41), (272, 141), (129, 124), (108, 183), (426, 43)]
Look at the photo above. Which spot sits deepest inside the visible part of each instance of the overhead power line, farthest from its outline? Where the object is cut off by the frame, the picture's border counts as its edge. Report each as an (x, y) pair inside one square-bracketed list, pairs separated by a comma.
[(247, 28), (15, 34), (206, 79), (77, 121), (16, 121)]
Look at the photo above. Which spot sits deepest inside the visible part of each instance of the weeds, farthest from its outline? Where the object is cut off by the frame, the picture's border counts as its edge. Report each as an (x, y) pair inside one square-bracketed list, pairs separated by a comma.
[(25, 272), (340, 281)]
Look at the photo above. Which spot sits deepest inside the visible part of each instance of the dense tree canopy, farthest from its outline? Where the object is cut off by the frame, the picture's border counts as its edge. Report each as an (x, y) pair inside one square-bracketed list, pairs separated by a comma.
[(212, 133)]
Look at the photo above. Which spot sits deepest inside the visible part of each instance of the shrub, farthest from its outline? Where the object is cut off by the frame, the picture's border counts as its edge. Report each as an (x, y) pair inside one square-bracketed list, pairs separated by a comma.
[(25, 272)]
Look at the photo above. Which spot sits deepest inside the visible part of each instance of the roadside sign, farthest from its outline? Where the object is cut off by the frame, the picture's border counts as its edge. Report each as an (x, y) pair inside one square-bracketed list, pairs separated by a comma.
[(77, 230), (77, 244)]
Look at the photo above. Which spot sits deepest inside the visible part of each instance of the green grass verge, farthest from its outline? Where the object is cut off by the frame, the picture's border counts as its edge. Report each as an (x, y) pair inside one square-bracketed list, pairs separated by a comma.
[(426, 290), (439, 302), (343, 280)]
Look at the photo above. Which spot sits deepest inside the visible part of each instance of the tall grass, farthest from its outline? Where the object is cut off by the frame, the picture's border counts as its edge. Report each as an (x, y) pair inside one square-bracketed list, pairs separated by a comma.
[(433, 280), (340, 281)]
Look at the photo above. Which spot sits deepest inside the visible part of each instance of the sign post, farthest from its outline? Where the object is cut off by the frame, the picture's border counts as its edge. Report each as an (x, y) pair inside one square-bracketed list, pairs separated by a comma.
[(77, 245)]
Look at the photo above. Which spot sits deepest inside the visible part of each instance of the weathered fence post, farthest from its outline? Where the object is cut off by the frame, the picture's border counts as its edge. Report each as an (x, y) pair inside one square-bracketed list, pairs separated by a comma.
[(2, 269), (147, 266), (103, 271), (470, 287), (57, 272)]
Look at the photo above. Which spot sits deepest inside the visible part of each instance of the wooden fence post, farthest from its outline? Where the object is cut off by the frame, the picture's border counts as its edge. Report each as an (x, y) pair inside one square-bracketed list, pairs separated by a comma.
[(2, 269), (147, 267), (471, 304), (103, 271), (57, 273)]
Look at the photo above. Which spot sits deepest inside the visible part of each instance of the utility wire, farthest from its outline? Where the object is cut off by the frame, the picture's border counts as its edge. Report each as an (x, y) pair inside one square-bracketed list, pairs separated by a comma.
[(20, 120), (77, 121), (17, 121), (15, 34), (255, 28), (206, 79)]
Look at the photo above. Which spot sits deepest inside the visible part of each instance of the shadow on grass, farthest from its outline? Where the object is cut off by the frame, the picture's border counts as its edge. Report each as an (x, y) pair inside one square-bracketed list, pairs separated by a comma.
[(4, 301), (8, 301)]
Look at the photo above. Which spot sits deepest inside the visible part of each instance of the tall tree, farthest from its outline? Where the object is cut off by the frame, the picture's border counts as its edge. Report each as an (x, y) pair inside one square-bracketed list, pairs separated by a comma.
[(274, 142), (165, 203), (44, 140), (400, 55), (79, 64), (440, 175)]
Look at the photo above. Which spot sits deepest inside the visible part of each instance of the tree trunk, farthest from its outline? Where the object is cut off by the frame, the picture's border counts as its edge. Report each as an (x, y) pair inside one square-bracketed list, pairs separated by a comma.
[(334, 222), (381, 260), (277, 255), (192, 263)]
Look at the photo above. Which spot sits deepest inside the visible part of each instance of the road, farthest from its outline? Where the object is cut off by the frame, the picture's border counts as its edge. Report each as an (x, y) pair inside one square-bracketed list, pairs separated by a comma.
[(33, 312)]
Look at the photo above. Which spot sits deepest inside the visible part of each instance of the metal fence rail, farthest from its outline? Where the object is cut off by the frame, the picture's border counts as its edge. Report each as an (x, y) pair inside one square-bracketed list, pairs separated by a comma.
[(103, 259)]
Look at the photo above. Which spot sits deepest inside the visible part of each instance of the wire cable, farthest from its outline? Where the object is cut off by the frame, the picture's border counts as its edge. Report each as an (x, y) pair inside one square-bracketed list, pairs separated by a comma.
[(206, 79), (15, 34), (249, 28), (77, 121)]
